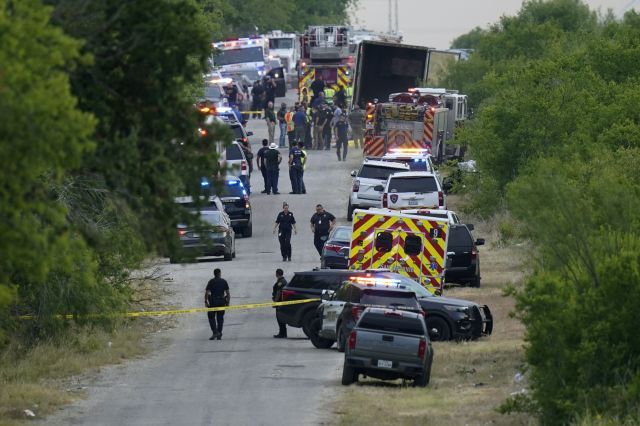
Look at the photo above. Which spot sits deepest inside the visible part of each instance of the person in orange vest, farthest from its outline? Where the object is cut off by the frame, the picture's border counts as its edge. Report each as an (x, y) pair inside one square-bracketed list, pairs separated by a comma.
[(288, 119)]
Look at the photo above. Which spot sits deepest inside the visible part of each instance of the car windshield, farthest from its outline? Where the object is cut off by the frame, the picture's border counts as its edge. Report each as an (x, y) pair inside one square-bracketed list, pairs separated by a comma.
[(377, 172), (392, 323), (342, 234), (212, 92), (280, 43), (211, 217), (238, 133), (413, 184), (233, 152), (460, 236), (238, 56), (389, 298)]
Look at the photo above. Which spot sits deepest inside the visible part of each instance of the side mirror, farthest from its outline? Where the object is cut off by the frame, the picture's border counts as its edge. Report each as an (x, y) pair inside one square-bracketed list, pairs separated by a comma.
[(470, 226), (378, 188), (354, 173), (480, 242), (327, 294), (249, 133)]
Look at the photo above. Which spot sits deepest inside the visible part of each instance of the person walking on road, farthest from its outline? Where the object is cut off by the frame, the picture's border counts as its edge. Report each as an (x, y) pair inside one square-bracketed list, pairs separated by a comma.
[(270, 117), (282, 123), (257, 94), (326, 130), (261, 161), (216, 295), (273, 159), (319, 118), (356, 119), (342, 136), (288, 118), (300, 124), (276, 296), (322, 222), (296, 159), (285, 223)]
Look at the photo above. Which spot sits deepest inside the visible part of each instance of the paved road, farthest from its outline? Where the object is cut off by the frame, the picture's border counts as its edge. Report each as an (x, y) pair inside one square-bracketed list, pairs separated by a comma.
[(248, 377)]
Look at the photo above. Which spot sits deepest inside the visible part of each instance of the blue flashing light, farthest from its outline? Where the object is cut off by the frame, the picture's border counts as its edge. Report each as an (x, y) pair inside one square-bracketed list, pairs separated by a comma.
[(233, 182), (204, 182)]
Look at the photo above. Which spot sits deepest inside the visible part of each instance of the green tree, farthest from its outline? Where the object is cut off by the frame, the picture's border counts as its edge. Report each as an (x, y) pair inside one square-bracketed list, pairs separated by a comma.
[(43, 135), (469, 40)]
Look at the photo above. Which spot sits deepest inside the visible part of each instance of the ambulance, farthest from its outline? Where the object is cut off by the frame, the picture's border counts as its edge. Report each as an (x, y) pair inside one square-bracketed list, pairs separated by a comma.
[(412, 245), (239, 57)]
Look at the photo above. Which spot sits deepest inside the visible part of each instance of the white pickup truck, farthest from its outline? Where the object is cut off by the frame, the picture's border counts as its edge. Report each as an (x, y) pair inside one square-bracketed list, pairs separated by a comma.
[(388, 344)]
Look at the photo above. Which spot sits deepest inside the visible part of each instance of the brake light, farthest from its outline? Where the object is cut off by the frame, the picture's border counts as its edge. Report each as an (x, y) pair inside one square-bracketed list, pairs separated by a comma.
[(181, 232), (384, 200), (440, 198), (392, 314), (287, 294), (203, 132), (333, 247), (243, 167), (474, 253), (422, 347), (356, 186), (352, 340), (247, 205), (355, 312)]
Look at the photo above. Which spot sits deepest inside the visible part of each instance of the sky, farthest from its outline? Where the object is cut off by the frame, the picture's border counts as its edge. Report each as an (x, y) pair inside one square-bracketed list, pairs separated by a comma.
[(436, 23)]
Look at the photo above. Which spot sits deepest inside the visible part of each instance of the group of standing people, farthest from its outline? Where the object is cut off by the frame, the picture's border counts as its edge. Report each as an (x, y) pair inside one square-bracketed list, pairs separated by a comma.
[(269, 159), (321, 223)]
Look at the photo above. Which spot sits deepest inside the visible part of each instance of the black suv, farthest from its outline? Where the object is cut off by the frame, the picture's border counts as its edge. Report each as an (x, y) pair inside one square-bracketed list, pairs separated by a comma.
[(237, 205), (446, 318), (341, 312), (463, 266)]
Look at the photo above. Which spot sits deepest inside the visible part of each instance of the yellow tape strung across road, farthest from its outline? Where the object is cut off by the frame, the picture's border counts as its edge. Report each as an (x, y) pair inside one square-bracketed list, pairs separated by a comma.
[(251, 112), (183, 311)]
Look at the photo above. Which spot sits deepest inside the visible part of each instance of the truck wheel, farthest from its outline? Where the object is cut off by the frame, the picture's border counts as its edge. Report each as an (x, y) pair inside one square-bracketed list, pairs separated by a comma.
[(316, 340), (349, 375), (423, 379), (307, 321), (350, 210), (340, 339), (438, 329)]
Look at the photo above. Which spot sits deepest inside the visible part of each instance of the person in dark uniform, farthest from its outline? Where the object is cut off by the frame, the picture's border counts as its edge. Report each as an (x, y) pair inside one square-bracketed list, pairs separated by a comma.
[(216, 294), (285, 222), (296, 164), (276, 296), (262, 164), (273, 158), (322, 222)]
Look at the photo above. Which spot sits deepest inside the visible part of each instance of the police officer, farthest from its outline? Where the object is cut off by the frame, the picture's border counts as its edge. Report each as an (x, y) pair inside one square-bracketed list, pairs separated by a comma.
[(322, 222), (272, 158), (296, 163), (276, 296), (285, 222), (216, 294)]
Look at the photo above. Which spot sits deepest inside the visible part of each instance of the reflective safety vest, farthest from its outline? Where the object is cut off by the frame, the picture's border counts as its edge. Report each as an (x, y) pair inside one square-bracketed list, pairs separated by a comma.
[(304, 159), (328, 94), (349, 91), (288, 118)]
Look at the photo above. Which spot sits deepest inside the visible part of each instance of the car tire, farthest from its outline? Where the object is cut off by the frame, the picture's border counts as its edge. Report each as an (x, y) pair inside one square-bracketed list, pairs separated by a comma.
[(475, 282), (423, 379), (247, 231), (307, 321), (340, 339), (316, 340), (442, 332), (350, 210), (228, 256), (349, 375)]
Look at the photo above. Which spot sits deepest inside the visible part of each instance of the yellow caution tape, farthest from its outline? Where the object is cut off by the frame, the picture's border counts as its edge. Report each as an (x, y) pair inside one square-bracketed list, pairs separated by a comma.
[(251, 112), (182, 311)]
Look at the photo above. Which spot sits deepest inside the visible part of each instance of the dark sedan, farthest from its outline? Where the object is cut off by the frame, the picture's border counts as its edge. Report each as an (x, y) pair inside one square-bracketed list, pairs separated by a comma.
[(335, 254), (237, 205), (214, 237)]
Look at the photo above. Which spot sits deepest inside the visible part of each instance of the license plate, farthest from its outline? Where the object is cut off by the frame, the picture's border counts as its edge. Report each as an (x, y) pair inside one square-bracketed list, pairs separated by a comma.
[(413, 202), (382, 363)]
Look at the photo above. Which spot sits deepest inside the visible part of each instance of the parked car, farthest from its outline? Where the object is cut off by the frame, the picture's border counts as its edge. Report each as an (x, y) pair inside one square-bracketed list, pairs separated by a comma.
[(236, 162), (237, 205), (413, 190), (214, 237), (388, 344), (368, 183), (446, 319), (335, 254), (464, 259), (339, 313)]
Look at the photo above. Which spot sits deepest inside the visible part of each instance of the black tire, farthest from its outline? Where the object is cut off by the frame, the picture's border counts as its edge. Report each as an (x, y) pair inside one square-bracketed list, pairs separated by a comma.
[(307, 321), (350, 210), (228, 256), (422, 380), (349, 375), (341, 339), (247, 231), (316, 340), (475, 282), (438, 329)]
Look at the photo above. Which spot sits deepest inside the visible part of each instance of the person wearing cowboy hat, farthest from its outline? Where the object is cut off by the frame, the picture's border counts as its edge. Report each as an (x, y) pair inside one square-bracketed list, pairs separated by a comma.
[(272, 159)]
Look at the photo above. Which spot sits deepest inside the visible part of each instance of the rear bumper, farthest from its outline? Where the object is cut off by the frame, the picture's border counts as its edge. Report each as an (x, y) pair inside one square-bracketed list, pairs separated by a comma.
[(214, 249), (461, 274), (363, 203), (335, 262), (400, 369)]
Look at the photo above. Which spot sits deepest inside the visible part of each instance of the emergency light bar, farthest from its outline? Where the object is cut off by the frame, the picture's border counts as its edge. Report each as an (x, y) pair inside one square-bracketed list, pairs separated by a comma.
[(409, 150), (223, 81), (374, 281)]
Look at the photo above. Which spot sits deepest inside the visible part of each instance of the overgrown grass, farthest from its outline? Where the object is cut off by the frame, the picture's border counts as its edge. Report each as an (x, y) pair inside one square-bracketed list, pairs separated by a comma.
[(469, 380)]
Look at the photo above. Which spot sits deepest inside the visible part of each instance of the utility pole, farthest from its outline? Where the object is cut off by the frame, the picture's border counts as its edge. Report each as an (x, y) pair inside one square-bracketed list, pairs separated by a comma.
[(397, 26), (390, 10)]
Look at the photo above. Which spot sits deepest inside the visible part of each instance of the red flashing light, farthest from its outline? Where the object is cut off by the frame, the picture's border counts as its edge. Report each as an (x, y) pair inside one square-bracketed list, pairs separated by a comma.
[(181, 232), (203, 132)]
